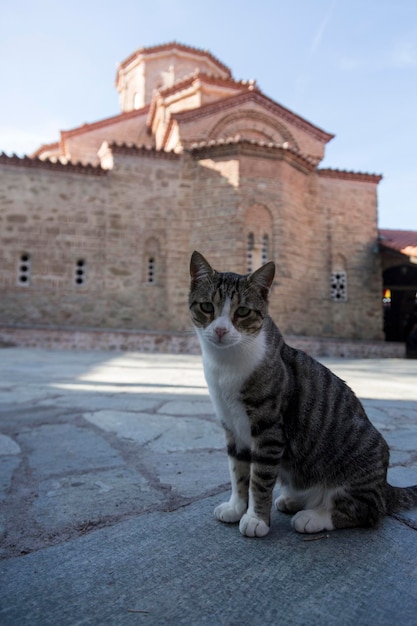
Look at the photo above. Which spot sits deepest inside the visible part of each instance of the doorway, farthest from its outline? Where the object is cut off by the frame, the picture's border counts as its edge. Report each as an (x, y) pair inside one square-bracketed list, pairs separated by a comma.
[(400, 301)]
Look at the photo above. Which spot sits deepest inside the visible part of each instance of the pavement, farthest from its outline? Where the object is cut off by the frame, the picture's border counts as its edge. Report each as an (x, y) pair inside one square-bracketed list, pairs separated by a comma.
[(110, 467)]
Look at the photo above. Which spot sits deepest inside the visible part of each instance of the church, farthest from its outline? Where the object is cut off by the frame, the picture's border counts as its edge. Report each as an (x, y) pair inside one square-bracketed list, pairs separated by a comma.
[(98, 227)]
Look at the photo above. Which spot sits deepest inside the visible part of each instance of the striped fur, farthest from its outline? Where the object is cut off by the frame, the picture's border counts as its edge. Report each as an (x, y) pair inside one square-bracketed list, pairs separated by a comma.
[(286, 417)]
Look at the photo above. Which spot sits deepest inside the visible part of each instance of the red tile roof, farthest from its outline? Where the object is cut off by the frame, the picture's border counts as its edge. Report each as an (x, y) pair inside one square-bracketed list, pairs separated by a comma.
[(108, 121), (404, 241), (44, 147), (349, 175), (87, 127), (254, 94), (211, 79), (188, 81), (174, 45), (56, 166), (251, 147), (133, 149)]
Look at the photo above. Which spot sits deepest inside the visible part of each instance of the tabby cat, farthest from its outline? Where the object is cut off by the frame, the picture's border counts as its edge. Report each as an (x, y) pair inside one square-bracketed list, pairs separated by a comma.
[(286, 417)]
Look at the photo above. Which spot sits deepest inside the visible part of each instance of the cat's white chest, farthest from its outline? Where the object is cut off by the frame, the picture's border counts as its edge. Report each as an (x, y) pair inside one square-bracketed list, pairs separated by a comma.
[(225, 395), (226, 371)]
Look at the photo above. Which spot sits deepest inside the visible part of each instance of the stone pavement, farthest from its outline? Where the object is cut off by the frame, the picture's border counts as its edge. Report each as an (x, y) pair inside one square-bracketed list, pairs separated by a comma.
[(110, 467)]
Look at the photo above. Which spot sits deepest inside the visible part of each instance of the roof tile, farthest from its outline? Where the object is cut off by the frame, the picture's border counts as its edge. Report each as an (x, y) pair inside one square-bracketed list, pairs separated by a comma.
[(404, 241), (51, 164)]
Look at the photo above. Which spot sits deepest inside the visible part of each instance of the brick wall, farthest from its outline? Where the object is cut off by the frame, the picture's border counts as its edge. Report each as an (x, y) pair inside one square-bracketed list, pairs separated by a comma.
[(350, 206), (252, 120)]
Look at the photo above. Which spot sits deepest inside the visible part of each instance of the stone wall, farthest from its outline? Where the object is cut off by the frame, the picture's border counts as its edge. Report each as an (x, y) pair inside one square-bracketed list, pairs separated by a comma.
[(178, 343), (55, 218), (58, 218), (135, 226)]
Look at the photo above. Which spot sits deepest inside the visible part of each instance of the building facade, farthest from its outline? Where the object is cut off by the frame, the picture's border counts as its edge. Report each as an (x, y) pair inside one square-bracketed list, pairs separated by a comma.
[(96, 230)]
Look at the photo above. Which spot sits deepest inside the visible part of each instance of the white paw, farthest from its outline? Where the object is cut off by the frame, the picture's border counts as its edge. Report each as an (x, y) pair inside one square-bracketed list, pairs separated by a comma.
[(312, 521), (229, 512), (286, 504), (252, 526)]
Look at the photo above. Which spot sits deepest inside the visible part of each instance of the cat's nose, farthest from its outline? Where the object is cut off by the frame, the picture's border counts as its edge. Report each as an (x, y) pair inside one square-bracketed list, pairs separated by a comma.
[(221, 331)]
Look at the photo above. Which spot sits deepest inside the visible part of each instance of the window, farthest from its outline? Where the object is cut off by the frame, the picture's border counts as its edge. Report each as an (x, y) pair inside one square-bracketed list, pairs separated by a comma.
[(151, 270), (257, 252), (137, 100), (249, 252), (338, 286), (23, 276), (80, 272), (264, 251), (258, 231)]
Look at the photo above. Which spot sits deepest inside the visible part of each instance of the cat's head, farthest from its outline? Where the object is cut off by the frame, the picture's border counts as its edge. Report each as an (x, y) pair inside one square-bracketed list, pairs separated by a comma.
[(228, 308)]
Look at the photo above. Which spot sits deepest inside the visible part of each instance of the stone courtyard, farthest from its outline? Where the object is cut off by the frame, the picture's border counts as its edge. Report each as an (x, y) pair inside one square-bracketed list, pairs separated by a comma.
[(110, 466)]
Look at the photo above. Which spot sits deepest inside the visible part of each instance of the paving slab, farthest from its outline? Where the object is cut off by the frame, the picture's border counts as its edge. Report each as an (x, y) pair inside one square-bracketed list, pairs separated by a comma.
[(110, 467), (182, 568), (91, 498), (163, 433), (65, 448)]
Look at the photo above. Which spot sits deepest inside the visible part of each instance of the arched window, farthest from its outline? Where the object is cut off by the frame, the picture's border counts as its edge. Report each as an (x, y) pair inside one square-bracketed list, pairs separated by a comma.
[(258, 226)]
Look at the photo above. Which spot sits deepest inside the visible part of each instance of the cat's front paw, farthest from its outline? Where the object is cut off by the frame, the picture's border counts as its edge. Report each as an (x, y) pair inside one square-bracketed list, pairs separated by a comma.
[(252, 526), (229, 512), (312, 521), (286, 504)]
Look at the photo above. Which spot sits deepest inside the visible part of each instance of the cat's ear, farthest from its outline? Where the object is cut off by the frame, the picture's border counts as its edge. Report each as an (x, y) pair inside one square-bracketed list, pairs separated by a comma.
[(199, 267), (264, 276)]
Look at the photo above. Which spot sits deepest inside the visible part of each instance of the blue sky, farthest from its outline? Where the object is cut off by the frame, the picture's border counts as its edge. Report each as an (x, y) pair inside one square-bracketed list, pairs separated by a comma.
[(348, 66)]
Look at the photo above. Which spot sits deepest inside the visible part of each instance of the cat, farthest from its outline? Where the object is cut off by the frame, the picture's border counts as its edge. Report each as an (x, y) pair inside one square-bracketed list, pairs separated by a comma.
[(286, 417)]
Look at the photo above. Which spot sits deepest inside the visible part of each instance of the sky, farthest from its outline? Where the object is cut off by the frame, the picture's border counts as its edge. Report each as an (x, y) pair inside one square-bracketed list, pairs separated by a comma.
[(347, 66)]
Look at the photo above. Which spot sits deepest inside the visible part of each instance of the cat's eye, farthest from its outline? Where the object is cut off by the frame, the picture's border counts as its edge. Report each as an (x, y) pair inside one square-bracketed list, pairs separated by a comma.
[(242, 311), (206, 307)]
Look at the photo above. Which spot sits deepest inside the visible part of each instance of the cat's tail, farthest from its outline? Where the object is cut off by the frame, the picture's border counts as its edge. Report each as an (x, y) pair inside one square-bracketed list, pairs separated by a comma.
[(400, 498)]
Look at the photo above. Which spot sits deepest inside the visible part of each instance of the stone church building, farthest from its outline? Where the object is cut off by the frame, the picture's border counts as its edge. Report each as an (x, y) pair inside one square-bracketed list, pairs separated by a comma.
[(96, 230)]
